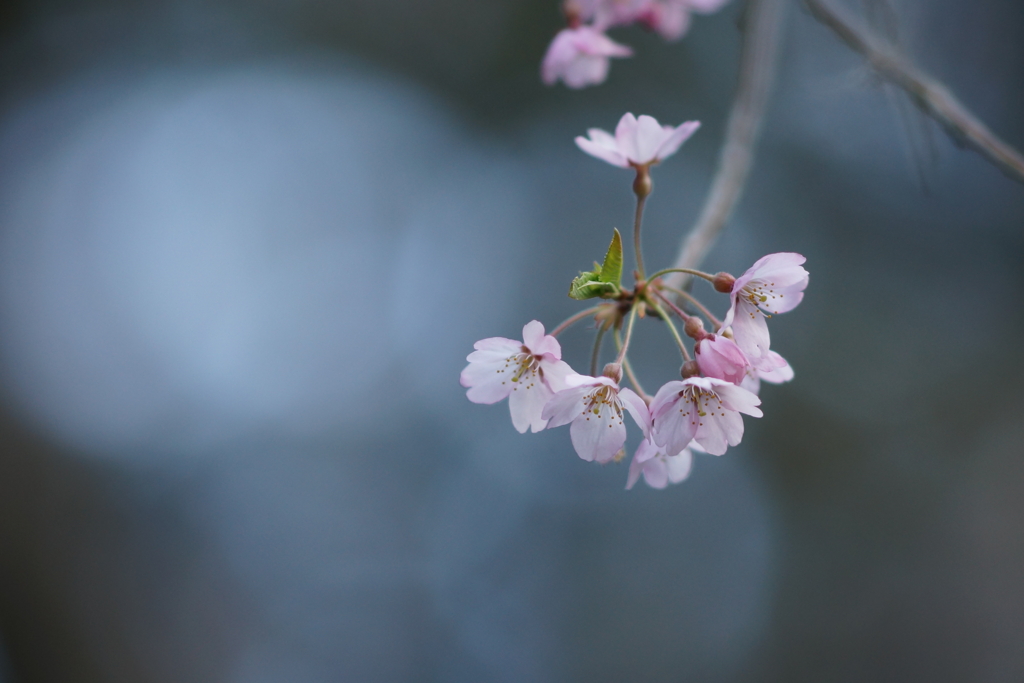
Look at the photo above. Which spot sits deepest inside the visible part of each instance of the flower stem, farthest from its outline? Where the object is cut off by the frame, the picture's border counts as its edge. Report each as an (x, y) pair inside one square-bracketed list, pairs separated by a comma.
[(629, 335), (693, 300), (595, 355), (672, 328), (571, 320), (689, 271), (627, 367), (637, 222), (675, 309)]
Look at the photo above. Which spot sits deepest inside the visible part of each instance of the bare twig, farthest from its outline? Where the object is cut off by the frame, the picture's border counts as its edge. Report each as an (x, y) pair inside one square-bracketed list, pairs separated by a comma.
[(762, 28), (933, 98)]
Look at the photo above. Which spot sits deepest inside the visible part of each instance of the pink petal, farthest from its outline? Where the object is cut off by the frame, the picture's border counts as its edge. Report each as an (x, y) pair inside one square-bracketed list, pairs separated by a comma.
[(787, 301), (555, 373), (666, 395), (716, 433), (533, 334), (485, 385), (564, 406), (675, 140), (673, 20), (637, 408), (577, 380), (648, 137), (635, 468), (646, 450), (778, 375), (586, 70), (602, 137), (625, 136), (720, 357), (493, 347), (594, 149), (750, 331), (676, 426), (739, 399)]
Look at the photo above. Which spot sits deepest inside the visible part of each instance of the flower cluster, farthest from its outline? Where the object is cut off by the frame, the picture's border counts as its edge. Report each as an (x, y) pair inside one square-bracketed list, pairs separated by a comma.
[(702, 411), (581, 53)]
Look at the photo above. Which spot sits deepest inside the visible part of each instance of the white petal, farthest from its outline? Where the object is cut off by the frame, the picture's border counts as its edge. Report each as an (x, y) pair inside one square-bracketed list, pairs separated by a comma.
[(533, 335), (602, 137), (676, 426), (597, 436), (485, 385), (526, 403), (648, 137), (612, 156), (714, 431), (750, 331), (555, 374), (564, 406), (493, 348), (656, 473), (586, 70), (679, 466)]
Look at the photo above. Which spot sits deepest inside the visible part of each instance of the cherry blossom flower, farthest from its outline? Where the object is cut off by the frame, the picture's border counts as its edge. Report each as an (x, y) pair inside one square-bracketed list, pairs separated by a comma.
[(594, 406), (720, 357), (702, 409), (638, 142), (528, 372), (580, 57), (774, 284), (671, 18), (659, 469)]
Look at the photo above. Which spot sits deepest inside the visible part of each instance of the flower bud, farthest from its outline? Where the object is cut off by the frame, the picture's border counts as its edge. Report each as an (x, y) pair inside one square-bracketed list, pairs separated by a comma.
[(689, 369), (573, 13), (642, 184), (723, 282), (613, 371), (694, 328)]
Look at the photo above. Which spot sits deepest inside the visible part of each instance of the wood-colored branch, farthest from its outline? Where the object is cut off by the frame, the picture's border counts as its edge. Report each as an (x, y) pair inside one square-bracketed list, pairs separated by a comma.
[(932, 97), (762, 34)]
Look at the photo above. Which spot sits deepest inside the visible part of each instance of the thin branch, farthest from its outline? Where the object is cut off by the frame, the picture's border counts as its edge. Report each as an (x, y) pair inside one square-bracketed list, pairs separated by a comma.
[(931, 96), (762, 34)]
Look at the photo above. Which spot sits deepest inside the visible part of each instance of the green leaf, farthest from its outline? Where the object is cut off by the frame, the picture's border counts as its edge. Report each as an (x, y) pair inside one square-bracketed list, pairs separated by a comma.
[(604, 280), (587, 284), (611, 269)]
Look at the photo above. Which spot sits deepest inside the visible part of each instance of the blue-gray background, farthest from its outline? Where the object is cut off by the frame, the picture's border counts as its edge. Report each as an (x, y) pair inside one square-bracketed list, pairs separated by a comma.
[(246, 246)]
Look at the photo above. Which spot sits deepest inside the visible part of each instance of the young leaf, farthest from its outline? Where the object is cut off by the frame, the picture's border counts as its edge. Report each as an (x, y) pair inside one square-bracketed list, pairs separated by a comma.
[(587, 284), (611, 269)]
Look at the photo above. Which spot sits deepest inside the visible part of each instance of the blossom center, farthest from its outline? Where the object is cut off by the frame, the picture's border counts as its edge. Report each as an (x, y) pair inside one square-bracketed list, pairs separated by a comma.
[(602, 397), (704, 403), (759, 293), (525, 364)]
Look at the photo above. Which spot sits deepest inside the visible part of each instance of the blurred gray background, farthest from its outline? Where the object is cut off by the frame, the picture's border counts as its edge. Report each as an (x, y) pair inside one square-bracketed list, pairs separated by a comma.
[(245, 248)]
